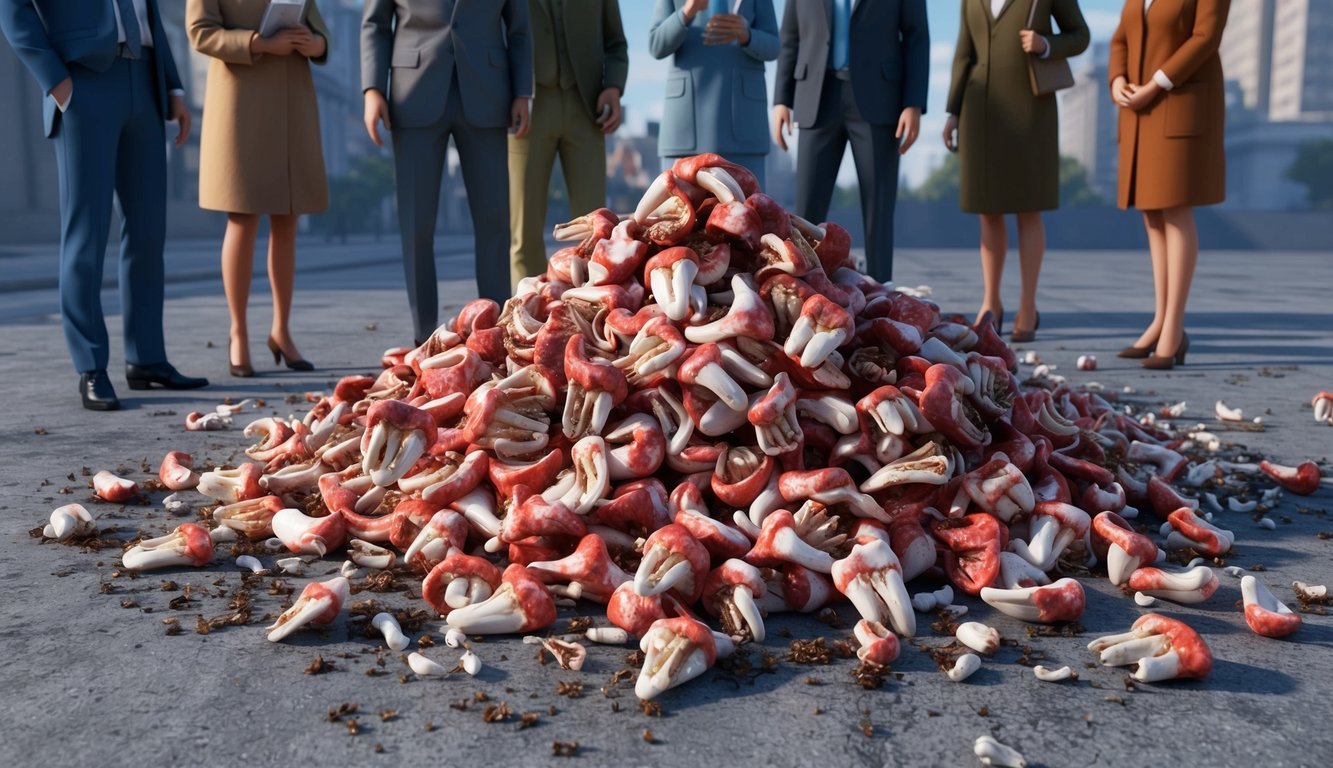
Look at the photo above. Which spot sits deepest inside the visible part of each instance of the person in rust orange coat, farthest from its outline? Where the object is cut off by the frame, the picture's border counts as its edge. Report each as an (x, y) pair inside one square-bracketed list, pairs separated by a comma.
[(1166, 78)]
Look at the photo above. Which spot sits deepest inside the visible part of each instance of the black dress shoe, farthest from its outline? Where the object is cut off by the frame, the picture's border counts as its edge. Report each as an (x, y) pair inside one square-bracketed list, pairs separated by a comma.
[(162, 374), (96, 390)]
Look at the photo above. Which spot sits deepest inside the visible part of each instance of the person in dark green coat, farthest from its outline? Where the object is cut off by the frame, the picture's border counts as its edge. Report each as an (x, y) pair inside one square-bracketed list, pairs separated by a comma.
[(1009, 139)]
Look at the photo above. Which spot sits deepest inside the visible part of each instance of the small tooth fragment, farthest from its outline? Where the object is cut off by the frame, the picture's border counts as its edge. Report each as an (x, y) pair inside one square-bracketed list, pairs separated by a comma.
[(607, 635), (175, 504), (978, 637), (250, 563), (1309, 591), (1030, 357), (1144, 601), (274, 545), (991, 752), (1267, 523), (1243, 507), (1087, 362), (393, 633), (1045, 674), (1226, 413), (455, 638), (470, 663), (293, 565), (957, 610), (964, 667), (1234, 570), (424, 666), (531, 640), (222, 535), (349, 570)]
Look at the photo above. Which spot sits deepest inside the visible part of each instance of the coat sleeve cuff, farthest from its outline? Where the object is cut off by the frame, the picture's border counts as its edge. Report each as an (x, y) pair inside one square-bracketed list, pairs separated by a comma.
[(1162, 80)]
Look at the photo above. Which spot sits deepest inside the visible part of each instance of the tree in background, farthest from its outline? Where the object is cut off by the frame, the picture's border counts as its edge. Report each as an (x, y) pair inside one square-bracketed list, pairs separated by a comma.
[(941, 186), (1313, 168), (356, 199)]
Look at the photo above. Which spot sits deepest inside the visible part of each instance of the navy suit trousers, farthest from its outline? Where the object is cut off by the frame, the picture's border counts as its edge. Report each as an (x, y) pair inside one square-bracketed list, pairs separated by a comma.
[(111, 141)]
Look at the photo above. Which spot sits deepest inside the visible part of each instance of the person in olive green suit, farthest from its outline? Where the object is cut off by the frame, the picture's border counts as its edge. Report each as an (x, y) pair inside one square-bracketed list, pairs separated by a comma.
[(1009, 139), (580, 62)]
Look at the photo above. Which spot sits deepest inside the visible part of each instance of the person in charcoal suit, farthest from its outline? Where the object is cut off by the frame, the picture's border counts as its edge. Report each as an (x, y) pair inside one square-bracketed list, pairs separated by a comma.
[(858, 71), (715, 95), (581, 61), (111, 82), (432, 69)]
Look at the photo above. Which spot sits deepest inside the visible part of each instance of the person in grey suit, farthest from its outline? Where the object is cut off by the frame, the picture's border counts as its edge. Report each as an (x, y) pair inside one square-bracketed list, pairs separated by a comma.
[(853, 70), (432, 69), (715, 93), (110, 81)]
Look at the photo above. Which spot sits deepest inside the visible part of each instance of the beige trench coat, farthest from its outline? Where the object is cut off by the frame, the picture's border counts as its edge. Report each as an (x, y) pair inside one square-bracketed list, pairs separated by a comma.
[(1009, 139), (259, 149), (1171, 152)]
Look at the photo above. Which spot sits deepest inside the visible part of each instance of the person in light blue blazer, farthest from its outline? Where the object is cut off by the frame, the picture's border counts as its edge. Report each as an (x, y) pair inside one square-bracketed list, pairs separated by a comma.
[(716, 97), (110, 83)]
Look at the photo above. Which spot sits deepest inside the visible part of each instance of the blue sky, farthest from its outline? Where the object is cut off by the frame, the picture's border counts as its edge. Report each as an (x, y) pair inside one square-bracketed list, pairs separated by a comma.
[(647, 76)]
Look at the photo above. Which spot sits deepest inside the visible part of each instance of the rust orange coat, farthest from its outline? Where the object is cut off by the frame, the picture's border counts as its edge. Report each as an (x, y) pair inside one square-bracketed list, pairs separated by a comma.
[(1171, 152)]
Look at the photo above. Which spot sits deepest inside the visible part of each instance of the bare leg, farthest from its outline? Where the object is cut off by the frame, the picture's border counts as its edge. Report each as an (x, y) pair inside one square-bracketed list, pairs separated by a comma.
[(282, 276), (1031, 250), (1155, 223), (238, 262), (994, 243), (1182, 255)]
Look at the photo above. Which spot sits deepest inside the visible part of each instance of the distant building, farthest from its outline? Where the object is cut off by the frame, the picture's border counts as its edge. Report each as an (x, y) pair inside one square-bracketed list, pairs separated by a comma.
[(1301, 87), (1247, 53), (1088, 122)]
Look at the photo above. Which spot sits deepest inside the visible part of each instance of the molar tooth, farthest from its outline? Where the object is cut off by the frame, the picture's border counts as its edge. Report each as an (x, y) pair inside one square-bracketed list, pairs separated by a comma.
[(68, 522), (454, 638), (964, 667), (979, 637), (991, 752), (470, 663), (250, 563)]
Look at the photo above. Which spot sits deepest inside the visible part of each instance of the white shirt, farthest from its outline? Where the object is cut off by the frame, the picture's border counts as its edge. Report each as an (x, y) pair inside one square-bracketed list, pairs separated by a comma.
[(996, 6), (141, 16)]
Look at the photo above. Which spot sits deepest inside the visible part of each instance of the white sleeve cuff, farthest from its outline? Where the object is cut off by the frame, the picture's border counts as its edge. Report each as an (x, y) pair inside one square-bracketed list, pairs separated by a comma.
[(68, 100), (1046, 54), (176, 92), (1162, 80)]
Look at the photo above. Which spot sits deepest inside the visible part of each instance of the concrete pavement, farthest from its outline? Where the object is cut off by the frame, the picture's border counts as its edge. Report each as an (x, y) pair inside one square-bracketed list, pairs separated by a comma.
[(89, 681)]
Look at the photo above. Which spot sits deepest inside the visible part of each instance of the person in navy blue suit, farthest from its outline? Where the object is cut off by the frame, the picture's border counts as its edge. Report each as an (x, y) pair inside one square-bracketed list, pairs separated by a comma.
[(110, 83)]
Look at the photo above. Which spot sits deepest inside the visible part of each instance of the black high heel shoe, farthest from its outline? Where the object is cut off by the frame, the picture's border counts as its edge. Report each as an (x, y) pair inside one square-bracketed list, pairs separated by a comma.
[(996, 320), (293, 363), (1137, 353), (1023, 337), (1167, 362)]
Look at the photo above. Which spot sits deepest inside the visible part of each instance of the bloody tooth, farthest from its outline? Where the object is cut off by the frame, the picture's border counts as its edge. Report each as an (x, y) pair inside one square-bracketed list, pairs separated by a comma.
[(1061, 601), (252, 518), (520, 604), (71, 521), (458, 581), (116, 490), (189, 544), (589, 566), (304, 535), (1122, 548), (1302, 479), (878, 644), (1164, 649), (396, 435), (232, 485), (320, 603), (731, 593), (1264, 613), (1194, 585), (177, 471), (676, 651), (1190, 530), (871, 577), (672, 560)]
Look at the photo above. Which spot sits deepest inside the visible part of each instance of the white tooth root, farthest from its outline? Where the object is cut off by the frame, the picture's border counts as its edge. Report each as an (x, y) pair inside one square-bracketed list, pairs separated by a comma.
[(991, 752), (964, 667), (250, 563), (1048, 675), (423, 666), (455, 638), (1227, 413), (607, 635), (979, 637), (393, 633), (470, 663)]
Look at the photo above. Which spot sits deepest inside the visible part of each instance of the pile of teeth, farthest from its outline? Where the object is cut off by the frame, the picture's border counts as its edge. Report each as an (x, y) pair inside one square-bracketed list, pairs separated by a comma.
[(701, 415)]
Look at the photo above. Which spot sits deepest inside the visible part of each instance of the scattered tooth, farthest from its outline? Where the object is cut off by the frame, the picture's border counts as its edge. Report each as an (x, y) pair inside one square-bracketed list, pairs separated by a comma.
[(531, 640), (393, 633), (1210, 500), (223, 534), (1309, 591), (1196, 562), (1161, 556), (235, 408), (565, 602), (1266, 523), (1148, 419), (1175, 410), (1244, 507), (349, 570), (1045, 674), (1129, 512), (470, 663), (956, 610), (424, 666), (274, 545), (293, 565), (1087, 362), (1164, 529), (455, 638), (250, 563), (1030, 357), (1259, 420), (1144, 601), (965, 667), (607, 635), (978, 637), (1272, 495), (1234, 570), (1226, 413), (175, 504), (991, 752), (1042, 371), (1095, 386)]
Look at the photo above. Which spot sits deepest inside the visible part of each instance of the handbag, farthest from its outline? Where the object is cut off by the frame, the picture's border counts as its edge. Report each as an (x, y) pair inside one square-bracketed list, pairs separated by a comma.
[(1050, 74)]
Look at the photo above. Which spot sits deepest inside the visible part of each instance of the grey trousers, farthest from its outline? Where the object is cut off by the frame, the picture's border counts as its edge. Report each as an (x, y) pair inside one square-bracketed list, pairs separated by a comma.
[(875, 153), (418, 160)]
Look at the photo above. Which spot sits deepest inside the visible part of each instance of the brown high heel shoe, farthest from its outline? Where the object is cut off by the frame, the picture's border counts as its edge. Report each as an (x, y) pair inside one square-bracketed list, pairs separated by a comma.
[(1166, 363), (240, 371), (1024, 337), (293, 363), (1137, 353)]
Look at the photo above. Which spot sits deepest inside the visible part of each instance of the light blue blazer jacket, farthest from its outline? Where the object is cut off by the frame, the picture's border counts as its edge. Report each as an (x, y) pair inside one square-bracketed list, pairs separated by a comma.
[(716, 97)]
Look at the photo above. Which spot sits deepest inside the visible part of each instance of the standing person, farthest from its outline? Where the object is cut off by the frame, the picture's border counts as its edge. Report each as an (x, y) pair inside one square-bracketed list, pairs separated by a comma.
[(716, 92), (581, 61), (435, 69), (853, 70), (1166, 78), (259, 154), (110, 82), (1009, 139)]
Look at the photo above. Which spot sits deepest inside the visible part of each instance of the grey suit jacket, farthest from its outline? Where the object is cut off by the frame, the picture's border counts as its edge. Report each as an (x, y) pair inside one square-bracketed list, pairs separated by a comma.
[(889, 57), (409, 49), (716, 96)]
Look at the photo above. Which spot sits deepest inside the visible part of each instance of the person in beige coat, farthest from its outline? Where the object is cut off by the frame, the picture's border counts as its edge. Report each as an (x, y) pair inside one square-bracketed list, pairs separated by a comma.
[(1008, 139), (259, 153), (1166, 78)]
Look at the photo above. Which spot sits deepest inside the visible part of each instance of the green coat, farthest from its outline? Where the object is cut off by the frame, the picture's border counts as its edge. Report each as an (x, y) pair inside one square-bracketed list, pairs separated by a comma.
[(1008, 139)]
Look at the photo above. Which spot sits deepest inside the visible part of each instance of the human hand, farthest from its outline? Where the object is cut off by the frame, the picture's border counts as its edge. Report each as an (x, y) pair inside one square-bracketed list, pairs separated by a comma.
[(62, 93), (313, 46), (782, 125), (1032, 42), (951, 133), (909, 127), (1120, 92), (377, 111), (282, 43), (724, 28), (1140, 96), (179, 113), (692, 9), (520, 117), (608, 109)]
